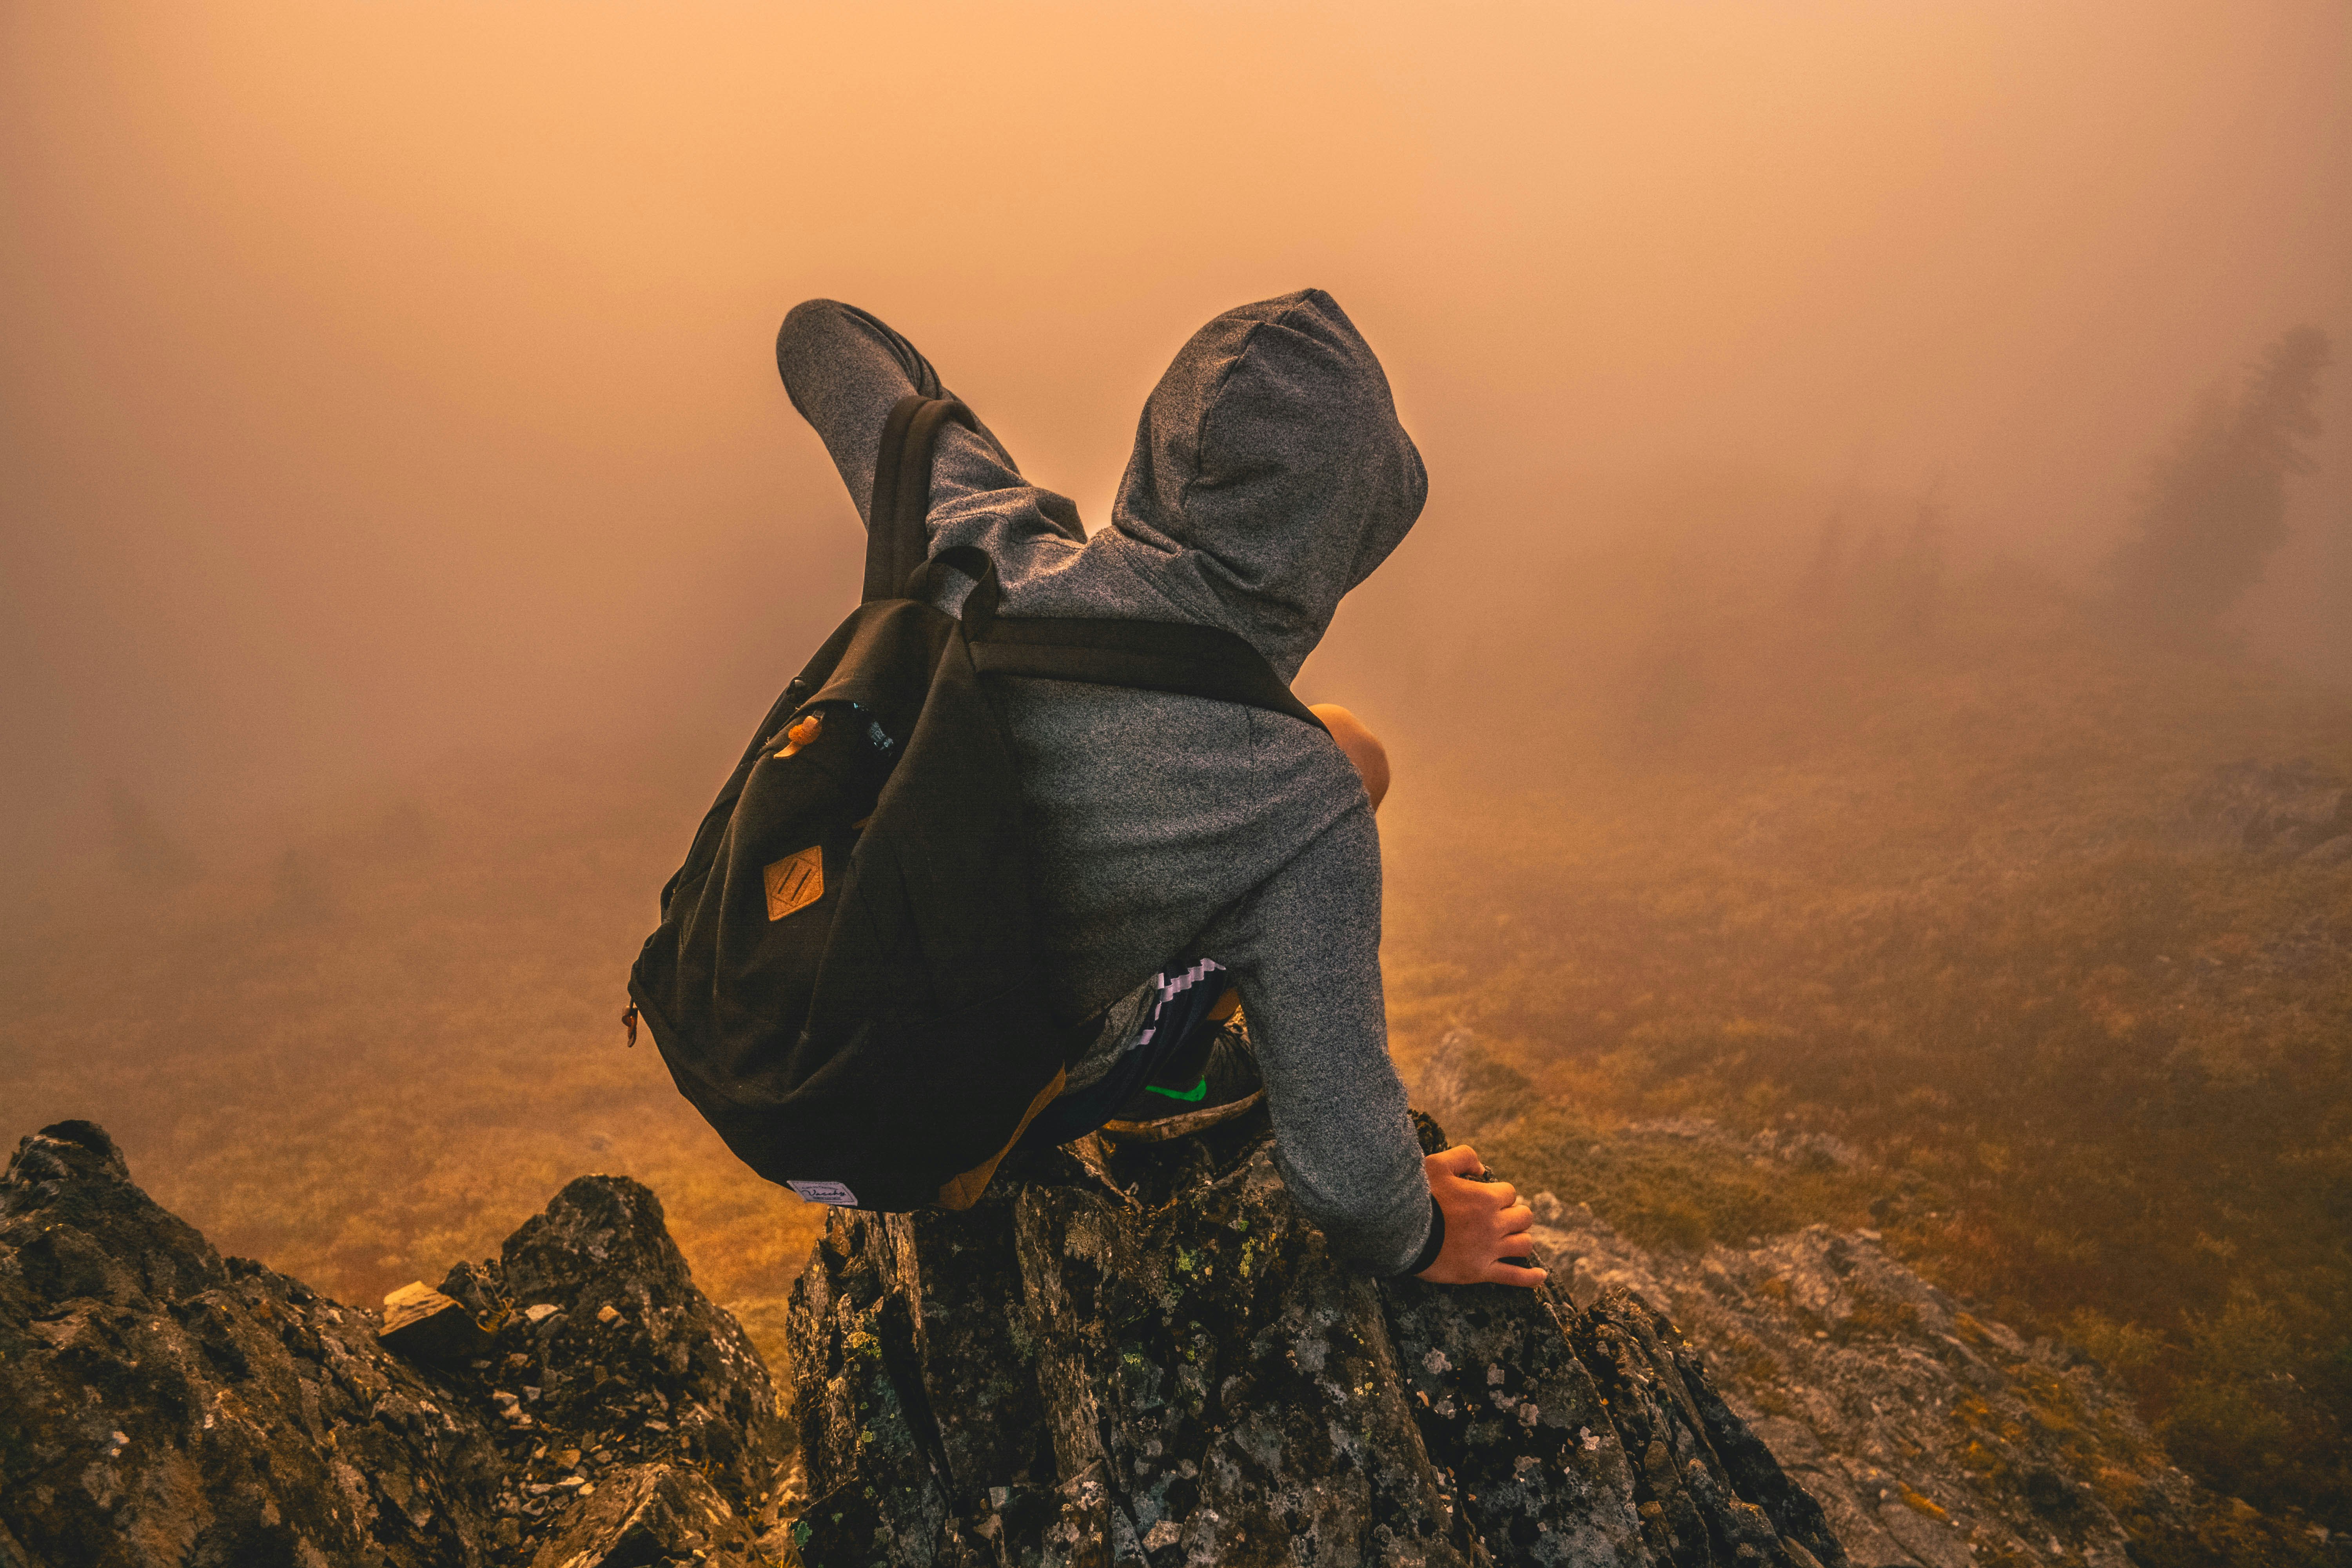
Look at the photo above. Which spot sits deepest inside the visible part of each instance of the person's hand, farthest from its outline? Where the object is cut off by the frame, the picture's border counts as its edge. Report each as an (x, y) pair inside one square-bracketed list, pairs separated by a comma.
[(1485, 1224)]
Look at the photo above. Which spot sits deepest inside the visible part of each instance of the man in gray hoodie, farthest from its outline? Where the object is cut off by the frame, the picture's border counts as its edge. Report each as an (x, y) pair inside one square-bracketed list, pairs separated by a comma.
[(1270, 476)]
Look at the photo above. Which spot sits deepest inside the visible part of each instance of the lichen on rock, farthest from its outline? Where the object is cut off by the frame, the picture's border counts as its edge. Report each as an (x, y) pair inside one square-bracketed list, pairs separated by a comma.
[(160, 1403), (1144, 1356), (1119, 1357)]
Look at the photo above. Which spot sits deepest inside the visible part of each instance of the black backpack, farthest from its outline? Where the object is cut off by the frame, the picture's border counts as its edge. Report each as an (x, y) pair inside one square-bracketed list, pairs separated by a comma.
[(845, 978)]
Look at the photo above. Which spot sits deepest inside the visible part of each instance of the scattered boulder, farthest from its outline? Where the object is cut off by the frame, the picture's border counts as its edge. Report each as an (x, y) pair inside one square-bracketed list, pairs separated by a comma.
[(2278, 810)]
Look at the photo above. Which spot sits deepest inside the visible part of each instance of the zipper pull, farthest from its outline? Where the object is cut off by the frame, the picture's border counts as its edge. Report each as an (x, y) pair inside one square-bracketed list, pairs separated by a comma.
[(802, 731)]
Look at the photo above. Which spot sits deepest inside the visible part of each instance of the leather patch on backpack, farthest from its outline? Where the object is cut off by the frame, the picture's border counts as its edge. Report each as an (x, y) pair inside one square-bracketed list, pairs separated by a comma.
[(794, 882)]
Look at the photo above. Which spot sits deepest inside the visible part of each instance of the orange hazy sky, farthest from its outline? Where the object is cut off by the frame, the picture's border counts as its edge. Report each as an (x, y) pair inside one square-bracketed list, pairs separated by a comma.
[(382, 378)]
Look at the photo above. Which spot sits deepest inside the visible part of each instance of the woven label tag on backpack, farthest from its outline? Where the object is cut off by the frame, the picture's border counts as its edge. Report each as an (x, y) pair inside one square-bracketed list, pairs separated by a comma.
[(831, 1193), (794, 882)]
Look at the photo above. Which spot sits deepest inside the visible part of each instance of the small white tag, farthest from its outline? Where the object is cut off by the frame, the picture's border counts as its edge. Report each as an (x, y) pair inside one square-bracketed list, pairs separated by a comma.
[(831, 1193)]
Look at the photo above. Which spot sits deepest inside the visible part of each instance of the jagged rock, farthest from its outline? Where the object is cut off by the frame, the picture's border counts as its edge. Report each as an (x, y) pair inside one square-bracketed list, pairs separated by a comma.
[(162, 1404), (1142, 1356), (671, 1354), (1113, 1359), (642, 1515), (1929, 1436), (159, 1404)]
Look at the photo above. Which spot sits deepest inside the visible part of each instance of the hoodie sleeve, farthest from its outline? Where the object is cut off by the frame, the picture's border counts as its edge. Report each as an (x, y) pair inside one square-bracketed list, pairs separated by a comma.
[(1305, 948)]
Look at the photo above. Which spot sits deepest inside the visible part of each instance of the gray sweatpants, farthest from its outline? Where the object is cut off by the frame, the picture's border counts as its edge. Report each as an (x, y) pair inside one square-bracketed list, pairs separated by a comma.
[(1168, 826)]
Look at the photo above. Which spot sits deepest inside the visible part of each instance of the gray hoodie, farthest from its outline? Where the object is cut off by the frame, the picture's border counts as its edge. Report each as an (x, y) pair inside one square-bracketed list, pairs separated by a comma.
[(1269, 476)]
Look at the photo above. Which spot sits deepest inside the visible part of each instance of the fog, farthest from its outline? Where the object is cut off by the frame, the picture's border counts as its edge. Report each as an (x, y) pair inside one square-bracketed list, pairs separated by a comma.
[(1825, 403), (386, 382)]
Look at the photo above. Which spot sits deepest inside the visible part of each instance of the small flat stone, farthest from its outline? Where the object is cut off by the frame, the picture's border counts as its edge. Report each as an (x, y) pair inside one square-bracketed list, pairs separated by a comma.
[(422, 1325), (608, 1313), (541, 1312)]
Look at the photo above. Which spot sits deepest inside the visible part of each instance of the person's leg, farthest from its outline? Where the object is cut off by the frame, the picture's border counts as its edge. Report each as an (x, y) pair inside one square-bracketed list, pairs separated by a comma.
[(1363, 748), (844, 370)]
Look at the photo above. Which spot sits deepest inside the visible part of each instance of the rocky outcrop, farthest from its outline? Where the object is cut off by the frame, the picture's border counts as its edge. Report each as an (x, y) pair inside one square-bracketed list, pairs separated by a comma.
[(1932, 1436), (2286, 811), (159, 1404), (1929, 1436), (1112, 1360), (1141, 1356)]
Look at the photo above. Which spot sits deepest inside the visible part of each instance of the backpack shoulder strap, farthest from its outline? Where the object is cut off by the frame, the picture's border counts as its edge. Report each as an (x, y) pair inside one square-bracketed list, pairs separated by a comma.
[(897, 542), (1177, 657), (1152, 656)]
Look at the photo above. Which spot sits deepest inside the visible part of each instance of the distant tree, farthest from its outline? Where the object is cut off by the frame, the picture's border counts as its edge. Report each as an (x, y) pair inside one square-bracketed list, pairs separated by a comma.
[(2214, 508), (1916, 592), (1821, 588), (144, 849), (1884, 589)]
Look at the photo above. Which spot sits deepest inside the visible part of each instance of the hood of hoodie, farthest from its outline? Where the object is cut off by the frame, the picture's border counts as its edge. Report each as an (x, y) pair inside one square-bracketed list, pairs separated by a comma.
[(1270, 474)]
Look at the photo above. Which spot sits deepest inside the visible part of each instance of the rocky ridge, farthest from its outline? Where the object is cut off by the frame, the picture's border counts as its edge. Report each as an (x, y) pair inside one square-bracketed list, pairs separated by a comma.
[(1112, 1360), (1107, 1361)]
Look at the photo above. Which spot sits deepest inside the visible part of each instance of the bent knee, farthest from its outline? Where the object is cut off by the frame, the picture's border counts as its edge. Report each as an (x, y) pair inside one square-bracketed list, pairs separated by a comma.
[(1363, 748)]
